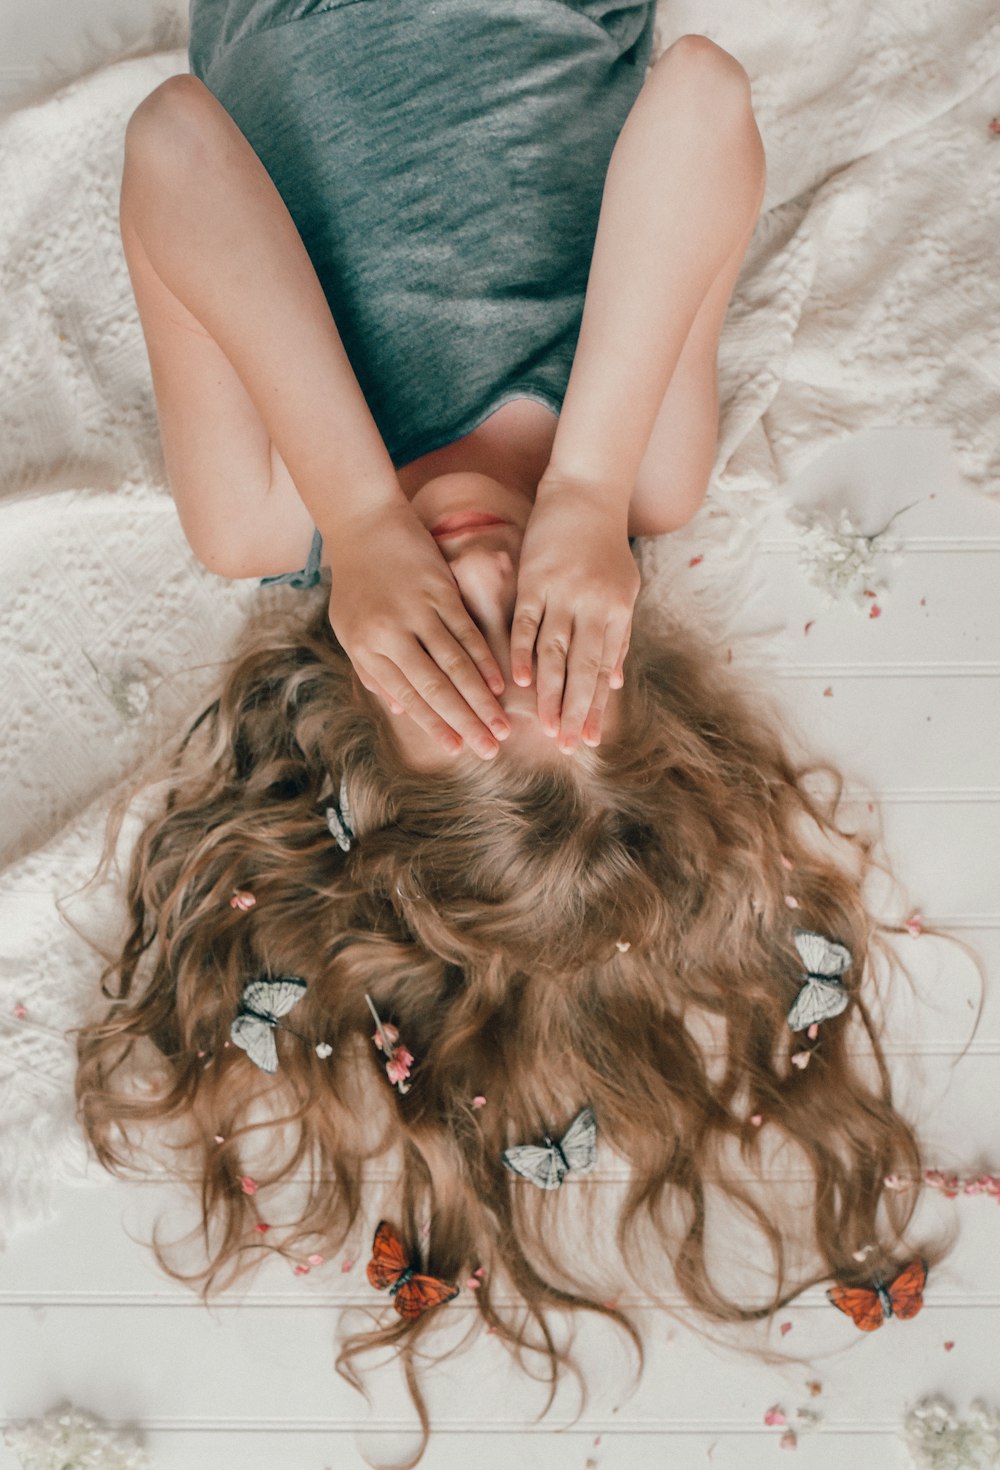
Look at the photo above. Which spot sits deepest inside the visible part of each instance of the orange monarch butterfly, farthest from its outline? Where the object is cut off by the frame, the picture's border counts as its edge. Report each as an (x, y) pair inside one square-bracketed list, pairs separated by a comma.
[(412, 1294), (868, 1307)]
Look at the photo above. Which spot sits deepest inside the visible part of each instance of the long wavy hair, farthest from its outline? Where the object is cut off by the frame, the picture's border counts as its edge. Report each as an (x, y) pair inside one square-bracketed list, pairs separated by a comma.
[(616, 930)]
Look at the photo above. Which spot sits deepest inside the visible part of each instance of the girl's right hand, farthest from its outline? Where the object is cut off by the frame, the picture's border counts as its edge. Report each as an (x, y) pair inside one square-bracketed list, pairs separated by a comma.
[(398, 614)]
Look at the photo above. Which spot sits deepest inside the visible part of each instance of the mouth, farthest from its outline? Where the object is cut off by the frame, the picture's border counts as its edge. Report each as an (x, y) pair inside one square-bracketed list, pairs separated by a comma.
[(463, 522)]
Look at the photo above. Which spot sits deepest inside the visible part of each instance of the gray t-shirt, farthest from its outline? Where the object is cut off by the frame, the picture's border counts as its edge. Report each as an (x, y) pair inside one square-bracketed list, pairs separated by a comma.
[(444, 162)]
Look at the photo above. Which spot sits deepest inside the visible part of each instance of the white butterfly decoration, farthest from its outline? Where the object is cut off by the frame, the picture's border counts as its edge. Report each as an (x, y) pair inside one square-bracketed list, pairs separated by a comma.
[(548, 1164), (340, 819), (822, 996), (261, 1005)]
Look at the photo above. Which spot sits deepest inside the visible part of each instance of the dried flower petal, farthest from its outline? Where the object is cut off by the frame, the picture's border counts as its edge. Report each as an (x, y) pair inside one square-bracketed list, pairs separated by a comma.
[(914, 924), (800, 1059), (479, 1101), (775, 1415), (948, 1346), (874, 611), (20, 1011), (248, 1185), (785, 1328), (315, 1260), (261, 1228), (301, 1270), (695, 560), (789, 1440), (828, 692), (814, 1386), (243, 900)]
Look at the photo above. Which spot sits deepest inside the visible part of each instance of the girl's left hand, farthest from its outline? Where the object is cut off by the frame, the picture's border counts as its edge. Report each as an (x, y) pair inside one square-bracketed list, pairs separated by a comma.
[(576, 589)]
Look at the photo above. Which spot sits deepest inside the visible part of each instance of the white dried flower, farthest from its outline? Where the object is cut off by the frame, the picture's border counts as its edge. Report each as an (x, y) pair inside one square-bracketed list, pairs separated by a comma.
[(938, 1440), (842, 561), (72, 1439)]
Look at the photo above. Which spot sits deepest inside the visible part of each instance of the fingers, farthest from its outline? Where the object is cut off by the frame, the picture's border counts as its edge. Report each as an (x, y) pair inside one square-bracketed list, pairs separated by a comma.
[(465, 633), (523, 631), (427, 694), (589, 669)]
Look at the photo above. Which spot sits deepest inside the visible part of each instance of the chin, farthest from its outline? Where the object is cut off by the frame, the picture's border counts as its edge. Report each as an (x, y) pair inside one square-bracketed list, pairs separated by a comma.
[(460, 490)]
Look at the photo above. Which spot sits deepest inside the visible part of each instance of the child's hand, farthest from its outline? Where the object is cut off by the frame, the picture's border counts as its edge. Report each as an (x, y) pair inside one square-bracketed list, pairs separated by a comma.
[(397, 613), (576, 589)]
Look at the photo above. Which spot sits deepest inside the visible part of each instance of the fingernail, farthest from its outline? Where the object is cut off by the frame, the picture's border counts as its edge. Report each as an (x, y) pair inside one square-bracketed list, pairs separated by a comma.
[(487, 748), (500, 729), (496, 685), (591, 740)]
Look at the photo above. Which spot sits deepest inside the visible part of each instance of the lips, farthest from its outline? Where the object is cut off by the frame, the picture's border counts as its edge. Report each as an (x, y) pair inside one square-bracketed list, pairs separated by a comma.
[(467, 520)]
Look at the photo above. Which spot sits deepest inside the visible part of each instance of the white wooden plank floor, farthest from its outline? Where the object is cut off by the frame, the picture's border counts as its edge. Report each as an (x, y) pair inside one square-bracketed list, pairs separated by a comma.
[(913, 717)]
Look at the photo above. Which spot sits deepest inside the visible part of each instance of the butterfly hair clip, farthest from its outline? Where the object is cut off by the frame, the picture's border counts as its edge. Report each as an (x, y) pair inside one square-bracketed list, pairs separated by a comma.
[(398, 1058), (340, 819), (391, 1270), (823, 995), (262, 1005), (868, 1307), (548, 1163)]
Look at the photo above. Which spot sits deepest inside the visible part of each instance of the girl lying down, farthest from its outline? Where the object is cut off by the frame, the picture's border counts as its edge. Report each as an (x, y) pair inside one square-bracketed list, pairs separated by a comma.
[(465, 864)]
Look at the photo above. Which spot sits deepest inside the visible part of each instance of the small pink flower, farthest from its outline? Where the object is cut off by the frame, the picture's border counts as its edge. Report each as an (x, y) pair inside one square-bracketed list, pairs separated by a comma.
[(756, 1119), (248, 1185), (315, 1260), (347, 1265), (301, 1270), (391, 1035), (398, 1066), (785, 1328), (813, 1031), (791, 902), (915, 924), (775, 1415), (261, 1228), (479, 1101), (788, 1440), (242, 900), (20, 1011), (801, 1059)]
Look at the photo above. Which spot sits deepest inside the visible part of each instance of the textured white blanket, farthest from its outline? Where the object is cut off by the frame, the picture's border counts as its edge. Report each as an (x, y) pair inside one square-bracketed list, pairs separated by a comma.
[(868, 298)]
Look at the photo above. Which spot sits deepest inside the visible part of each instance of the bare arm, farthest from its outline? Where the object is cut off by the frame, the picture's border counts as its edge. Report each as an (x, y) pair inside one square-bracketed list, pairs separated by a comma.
[(684, 178)]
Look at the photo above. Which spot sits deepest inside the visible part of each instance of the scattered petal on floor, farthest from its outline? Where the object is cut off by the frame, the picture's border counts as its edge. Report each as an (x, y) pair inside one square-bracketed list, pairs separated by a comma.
[(301, 1270), (696, 559), (874, 611), (828, 692), (20, 1011), (248, 1185), (789, 1440), (775, 1415), (814, 1386), (785, 1328), (347, 1265), (914, 924), (948, 1346), (315, 1260), (810, 624), (893, 1182), (808, 1418), (261, 1228)]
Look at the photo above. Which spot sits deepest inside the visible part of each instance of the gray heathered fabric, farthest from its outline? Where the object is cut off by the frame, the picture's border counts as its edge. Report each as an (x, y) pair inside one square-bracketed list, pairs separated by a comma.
[(443, 161)]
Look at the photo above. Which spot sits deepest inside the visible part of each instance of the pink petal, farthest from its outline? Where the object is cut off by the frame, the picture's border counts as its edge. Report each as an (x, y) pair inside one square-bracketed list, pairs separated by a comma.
[(893, 1182), (785, 1328), (800, 1059), (868, 593), (347, 1265), (301, 1270), (756, 1119), (473, 1283), (791, 902), (874, 611), (914, 924), (788, 1440), (828, 692), (391, 1032), (20, 1011), (479, 1101), (775, 1415), (242, 900), (810, 624), (696, 559), (813, 1031), (315, 1260), (948, 1346), (261, 1228), (201, 1053), (479, 1271), (219, 1138), (248, 1185)]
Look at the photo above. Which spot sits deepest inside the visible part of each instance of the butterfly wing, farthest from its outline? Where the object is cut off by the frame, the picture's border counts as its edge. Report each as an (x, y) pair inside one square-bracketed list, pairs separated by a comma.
[(860, 1303), (579, 1143), (821, 955), (275, 997), (388, 1260), (539, 1164), (818, 1000), (907, 1291), (420, 1293), (257, 1040)]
